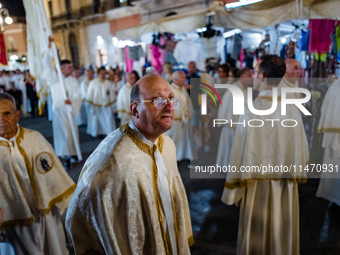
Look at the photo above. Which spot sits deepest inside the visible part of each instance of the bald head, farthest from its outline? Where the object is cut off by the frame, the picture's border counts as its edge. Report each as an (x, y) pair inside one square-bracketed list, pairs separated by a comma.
[(149, 120), (179, 78), (293, 70)]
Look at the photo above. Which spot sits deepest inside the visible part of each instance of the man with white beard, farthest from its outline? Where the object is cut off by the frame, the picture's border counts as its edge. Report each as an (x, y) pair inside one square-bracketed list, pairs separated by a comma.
[(226, 112), (180, 130), (64, 141), (123, 98), (329, 125), (101, 98), (291, 78), (269, 213), (82, 117)]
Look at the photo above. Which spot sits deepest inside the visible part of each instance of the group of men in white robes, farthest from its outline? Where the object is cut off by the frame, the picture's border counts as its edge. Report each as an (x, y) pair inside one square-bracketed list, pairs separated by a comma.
[(64, 110), (225, 112), (35, 189), (269, 216)]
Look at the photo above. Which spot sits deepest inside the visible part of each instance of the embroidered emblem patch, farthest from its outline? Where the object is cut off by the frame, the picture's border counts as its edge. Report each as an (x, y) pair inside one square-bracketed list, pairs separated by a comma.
[(44, 162)]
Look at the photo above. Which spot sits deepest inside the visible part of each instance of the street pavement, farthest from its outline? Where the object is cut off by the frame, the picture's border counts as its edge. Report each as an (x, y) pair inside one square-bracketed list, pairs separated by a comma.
[(214, 223)]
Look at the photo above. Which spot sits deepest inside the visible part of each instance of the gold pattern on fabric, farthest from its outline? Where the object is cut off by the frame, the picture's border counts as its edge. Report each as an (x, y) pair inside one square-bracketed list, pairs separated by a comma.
[(245, 183), (36, 162), (125, 129), (4, 143), (15, 223), (329, 130), (99, 105), (27, 162), (55, 200), (191, 240), (59, 199), (269, 98)]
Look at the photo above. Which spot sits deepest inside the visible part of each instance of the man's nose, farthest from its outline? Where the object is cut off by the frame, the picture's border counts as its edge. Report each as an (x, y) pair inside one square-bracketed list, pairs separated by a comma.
[(169, 105)]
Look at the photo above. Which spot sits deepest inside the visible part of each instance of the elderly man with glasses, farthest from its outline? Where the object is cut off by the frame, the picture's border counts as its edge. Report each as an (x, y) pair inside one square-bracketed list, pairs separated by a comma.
[(130, 197)]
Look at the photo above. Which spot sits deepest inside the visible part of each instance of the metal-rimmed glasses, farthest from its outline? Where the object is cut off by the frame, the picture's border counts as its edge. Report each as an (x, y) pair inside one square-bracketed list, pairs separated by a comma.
[(161, 102)]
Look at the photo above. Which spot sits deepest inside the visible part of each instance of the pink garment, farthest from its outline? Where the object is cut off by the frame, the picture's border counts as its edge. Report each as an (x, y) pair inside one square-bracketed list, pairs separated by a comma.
[(158, 55), (242, 57), (320, 29), (155, 56), (162, 42), (128, 62)]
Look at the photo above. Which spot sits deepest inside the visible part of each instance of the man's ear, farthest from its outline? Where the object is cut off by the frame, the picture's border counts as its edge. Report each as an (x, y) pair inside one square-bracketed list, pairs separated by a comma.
[(17, 114), (134, 110), (262, 76)]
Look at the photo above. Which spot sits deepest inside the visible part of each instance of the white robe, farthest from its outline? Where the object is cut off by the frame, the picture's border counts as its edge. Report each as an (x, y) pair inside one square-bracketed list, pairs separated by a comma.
[(227, 133), (101, 98), (35, 190), (284, 83), (82, 117), (118, 206), (62, 134), (123, 104), (180, 131), (269, 216), (329, 186)]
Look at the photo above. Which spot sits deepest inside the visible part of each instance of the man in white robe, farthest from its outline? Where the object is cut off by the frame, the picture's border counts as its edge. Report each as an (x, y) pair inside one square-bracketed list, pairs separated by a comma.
[(225, 112), (82, 117), (63, 139), (130, 198), (101, 98), (269, 214), (291, 78), (329, 125), (180, 130), (35, 189), (123, 98)]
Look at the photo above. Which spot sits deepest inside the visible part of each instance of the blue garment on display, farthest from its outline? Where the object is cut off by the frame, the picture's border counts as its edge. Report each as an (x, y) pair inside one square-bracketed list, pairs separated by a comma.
[(304, 40)]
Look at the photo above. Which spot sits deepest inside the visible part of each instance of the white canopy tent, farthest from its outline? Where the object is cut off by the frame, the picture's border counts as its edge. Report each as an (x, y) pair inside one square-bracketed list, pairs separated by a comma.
[(262, 14)]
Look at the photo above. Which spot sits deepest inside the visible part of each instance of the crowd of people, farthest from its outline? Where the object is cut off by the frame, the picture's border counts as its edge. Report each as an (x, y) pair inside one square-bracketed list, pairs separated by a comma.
[(130, 198)]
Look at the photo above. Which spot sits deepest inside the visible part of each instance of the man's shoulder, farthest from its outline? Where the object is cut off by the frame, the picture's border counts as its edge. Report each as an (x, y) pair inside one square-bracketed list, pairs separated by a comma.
[(32, 134)]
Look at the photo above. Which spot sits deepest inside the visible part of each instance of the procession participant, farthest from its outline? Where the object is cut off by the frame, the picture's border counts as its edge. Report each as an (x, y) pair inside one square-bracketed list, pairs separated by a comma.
[(130, 197), (329, 125), (225, 111), (64, 141), (291, 78), (82, 117), (101, 98), (123, 98), (180, 130), (35, 189), (269, 213)]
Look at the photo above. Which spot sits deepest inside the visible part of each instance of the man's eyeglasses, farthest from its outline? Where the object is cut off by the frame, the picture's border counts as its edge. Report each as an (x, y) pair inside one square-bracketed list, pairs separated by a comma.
[(160, 102)]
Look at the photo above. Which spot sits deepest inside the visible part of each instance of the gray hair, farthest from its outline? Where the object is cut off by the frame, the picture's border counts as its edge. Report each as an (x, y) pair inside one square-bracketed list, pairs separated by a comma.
[(4, 96), (176, 75), (134, 96)]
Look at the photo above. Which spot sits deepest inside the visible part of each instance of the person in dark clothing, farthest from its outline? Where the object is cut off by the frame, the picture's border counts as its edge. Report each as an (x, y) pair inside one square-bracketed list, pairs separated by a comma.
[(32, 94)]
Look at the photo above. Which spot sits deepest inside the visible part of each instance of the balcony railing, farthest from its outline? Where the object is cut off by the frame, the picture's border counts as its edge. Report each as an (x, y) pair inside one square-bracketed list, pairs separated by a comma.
[(84, 11)]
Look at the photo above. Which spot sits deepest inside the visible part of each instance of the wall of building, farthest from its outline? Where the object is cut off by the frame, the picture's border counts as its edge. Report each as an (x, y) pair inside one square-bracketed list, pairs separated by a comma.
[(15, 40)]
